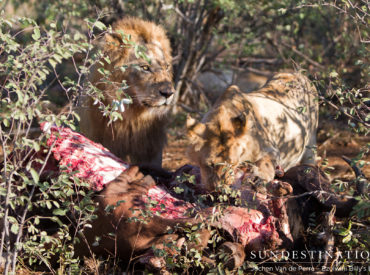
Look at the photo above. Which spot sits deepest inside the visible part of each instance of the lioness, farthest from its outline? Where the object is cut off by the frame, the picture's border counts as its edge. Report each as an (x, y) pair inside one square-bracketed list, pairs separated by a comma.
[(140, 137), (275, 125)]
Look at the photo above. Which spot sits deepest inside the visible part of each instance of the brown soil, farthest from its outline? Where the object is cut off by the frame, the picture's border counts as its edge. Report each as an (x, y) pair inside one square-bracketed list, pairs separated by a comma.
[(174, 155)]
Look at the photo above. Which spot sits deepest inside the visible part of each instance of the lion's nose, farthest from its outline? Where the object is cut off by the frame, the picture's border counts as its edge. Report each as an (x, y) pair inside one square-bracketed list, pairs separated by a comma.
[(166, 92)]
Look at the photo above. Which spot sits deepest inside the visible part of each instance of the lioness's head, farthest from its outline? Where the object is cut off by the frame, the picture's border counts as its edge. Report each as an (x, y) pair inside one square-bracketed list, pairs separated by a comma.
[(150, 82), (221, 140)]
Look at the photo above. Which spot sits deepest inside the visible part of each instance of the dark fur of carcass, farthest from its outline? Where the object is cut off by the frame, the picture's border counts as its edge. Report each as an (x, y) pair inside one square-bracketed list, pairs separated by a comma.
[(312, 180)]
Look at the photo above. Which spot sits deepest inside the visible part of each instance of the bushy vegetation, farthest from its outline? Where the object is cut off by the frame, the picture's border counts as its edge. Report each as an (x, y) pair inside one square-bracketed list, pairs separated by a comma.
[(46, 58)]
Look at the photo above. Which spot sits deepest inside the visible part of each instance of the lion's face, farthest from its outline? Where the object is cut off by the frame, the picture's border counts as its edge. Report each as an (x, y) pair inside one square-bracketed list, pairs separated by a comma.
[(217, 144), (150, 85), (149, 81)]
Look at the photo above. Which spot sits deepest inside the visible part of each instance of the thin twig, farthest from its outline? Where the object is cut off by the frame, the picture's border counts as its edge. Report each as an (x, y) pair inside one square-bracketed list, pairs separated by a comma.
[(313, 62)]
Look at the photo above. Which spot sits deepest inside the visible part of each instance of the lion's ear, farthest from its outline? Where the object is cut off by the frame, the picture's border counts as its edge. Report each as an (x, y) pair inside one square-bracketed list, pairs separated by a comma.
[(190, 122), (113, 41), (229, 93), (240, 123), (194, 127), (197, 131), (233, 89), (116, 47)]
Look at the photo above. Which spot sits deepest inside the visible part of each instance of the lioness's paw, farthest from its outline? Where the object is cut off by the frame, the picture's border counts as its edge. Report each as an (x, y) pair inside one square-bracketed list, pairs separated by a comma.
[(279, 188)]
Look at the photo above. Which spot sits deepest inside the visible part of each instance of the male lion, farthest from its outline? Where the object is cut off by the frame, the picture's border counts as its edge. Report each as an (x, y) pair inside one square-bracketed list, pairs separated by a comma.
[(140, 137), (275, 125)]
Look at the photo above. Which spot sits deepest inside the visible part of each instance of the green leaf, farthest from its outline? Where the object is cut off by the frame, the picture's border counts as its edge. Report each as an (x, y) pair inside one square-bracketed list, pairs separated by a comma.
[(58, 58), (52, 62), (36, 33), (333, 74), (57, 220), (60, 212), (35, 175), (178, 190), (102, 71), (6, 122), (36, 146), (343, 232), (12, 219), (100, 25), (347, 238), (90, 208), (14, 228)]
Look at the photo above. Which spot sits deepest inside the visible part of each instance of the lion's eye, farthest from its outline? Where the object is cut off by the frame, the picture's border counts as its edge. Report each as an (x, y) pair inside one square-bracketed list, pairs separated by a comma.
[(145, 68)]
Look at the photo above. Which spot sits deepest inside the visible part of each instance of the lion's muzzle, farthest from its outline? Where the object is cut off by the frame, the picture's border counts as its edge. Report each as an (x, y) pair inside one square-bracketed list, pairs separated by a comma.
[(167, 92)]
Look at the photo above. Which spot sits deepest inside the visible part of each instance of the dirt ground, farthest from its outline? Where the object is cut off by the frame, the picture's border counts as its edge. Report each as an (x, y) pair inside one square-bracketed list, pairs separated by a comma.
[(333, 142)]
